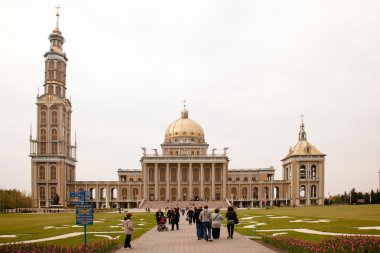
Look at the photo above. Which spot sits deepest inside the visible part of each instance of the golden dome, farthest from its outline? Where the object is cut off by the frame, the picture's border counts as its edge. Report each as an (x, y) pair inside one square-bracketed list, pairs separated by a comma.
[(184, 130)]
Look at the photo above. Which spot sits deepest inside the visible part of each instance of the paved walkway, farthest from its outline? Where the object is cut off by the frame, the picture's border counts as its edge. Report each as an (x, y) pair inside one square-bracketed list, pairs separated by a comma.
[(185, 240)]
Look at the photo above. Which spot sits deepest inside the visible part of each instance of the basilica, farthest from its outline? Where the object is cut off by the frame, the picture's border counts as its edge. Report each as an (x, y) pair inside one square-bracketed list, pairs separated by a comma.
[(183, 170)]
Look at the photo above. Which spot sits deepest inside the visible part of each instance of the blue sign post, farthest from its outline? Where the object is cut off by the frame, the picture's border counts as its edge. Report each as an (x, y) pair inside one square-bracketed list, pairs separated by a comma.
[(84, 212)]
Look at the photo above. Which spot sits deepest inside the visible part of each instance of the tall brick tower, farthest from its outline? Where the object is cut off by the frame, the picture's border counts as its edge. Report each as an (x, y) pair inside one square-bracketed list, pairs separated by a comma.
[(53, 155)]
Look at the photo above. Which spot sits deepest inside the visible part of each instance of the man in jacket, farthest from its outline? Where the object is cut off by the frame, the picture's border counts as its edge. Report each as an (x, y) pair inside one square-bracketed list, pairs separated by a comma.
[(205, 218), (198, 223)]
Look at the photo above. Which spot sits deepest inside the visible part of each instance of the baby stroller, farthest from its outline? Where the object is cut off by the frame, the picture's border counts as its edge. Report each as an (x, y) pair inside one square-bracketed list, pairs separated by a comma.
[(161, 226)]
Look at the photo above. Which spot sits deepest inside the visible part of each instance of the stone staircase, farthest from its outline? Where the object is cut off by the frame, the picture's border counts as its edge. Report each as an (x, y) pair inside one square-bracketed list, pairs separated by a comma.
[(182, 204)]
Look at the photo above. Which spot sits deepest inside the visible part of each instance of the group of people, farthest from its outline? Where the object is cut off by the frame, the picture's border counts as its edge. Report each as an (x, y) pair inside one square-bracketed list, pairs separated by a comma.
[(172, 215), (207, 224)]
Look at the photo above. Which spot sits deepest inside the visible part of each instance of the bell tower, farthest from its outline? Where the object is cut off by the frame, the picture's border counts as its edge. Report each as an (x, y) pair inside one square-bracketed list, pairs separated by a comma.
[(53, 155), (304, 168)]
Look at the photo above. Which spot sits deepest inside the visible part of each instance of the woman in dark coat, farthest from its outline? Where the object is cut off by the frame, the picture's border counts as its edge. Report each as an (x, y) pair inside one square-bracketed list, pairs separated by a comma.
[(231, 217), (175, 218)]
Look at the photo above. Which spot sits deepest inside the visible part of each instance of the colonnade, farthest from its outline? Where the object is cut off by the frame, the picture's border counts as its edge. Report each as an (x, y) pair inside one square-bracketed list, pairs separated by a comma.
[(189, 183)]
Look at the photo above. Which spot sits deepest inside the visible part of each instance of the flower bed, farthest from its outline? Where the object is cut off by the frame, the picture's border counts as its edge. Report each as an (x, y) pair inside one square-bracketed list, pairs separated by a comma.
[(97, 247), (357, 244)]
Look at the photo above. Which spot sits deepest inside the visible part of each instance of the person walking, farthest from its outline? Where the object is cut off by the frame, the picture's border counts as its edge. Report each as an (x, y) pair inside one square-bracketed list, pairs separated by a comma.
[(216, 218), (198, 223), (175, 218), (128, 231), (205, 218), (231, 220), (190, 214)]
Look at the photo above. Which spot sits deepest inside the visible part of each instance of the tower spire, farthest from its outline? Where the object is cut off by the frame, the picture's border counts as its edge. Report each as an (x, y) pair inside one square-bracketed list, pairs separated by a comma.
[(302, 133), (57, 14), (185, 112)]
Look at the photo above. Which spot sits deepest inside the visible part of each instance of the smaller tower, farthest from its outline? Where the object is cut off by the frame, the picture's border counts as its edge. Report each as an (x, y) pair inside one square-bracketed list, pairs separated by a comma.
[(304, 167)]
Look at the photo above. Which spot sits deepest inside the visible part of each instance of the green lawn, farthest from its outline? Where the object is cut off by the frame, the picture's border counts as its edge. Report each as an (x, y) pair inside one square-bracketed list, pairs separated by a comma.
[(36, 226), (343, 219)]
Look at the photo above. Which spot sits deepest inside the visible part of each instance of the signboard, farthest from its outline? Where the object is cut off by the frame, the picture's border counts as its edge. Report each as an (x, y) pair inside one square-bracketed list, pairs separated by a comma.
[(84, 215)]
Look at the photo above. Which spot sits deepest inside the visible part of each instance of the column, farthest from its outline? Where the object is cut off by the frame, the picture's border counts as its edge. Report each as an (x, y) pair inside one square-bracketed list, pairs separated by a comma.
[(167, 182), (202, 182), (260, 194), (212, 181), (145, 174), (179, 192), (156, 182), (224, 181), (190, 182)]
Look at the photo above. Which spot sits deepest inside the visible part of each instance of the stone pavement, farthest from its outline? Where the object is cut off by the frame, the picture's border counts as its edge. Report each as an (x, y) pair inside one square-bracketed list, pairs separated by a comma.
[(185, 240)]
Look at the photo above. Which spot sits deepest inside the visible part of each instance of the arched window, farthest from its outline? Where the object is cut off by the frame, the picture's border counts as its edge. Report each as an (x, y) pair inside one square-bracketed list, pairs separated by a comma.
[(131, 180), (43, 117), (218, 174), (58, 91), (238, 179), (43, 148), (196, 192), (173, 174), (51, 70), (162, 194), (196, 174), (185, 173), (54, 148), (313, 191), (151, 174), (53, 173), (302, 172), (173, 193), (229, 179), (313, 171), (53, 192), (54, 117), (50, 89), (245, 179), (207, 193), (162, 174), (253, 179), (43, 135), (41, 172), (207, 175), (59, 72), (302, 191), (54, 134), (42, 192)]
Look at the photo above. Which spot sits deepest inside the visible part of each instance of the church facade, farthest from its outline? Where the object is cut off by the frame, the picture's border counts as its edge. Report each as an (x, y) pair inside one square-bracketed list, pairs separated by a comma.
[(184, 170)]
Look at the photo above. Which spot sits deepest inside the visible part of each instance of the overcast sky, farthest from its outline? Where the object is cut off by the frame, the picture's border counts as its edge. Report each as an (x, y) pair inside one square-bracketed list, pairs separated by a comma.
[(248, 69)]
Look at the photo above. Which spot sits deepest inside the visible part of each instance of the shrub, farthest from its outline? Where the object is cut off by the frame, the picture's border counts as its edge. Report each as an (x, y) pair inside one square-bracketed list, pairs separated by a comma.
[(357, 244), (97, 247)]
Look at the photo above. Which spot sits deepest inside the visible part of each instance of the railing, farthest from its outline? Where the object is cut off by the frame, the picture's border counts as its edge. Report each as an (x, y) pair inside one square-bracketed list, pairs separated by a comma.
[(171, 158)]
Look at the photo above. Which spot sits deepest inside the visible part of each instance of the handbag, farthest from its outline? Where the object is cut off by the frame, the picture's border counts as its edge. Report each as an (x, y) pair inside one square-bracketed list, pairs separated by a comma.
[(236, 221)]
